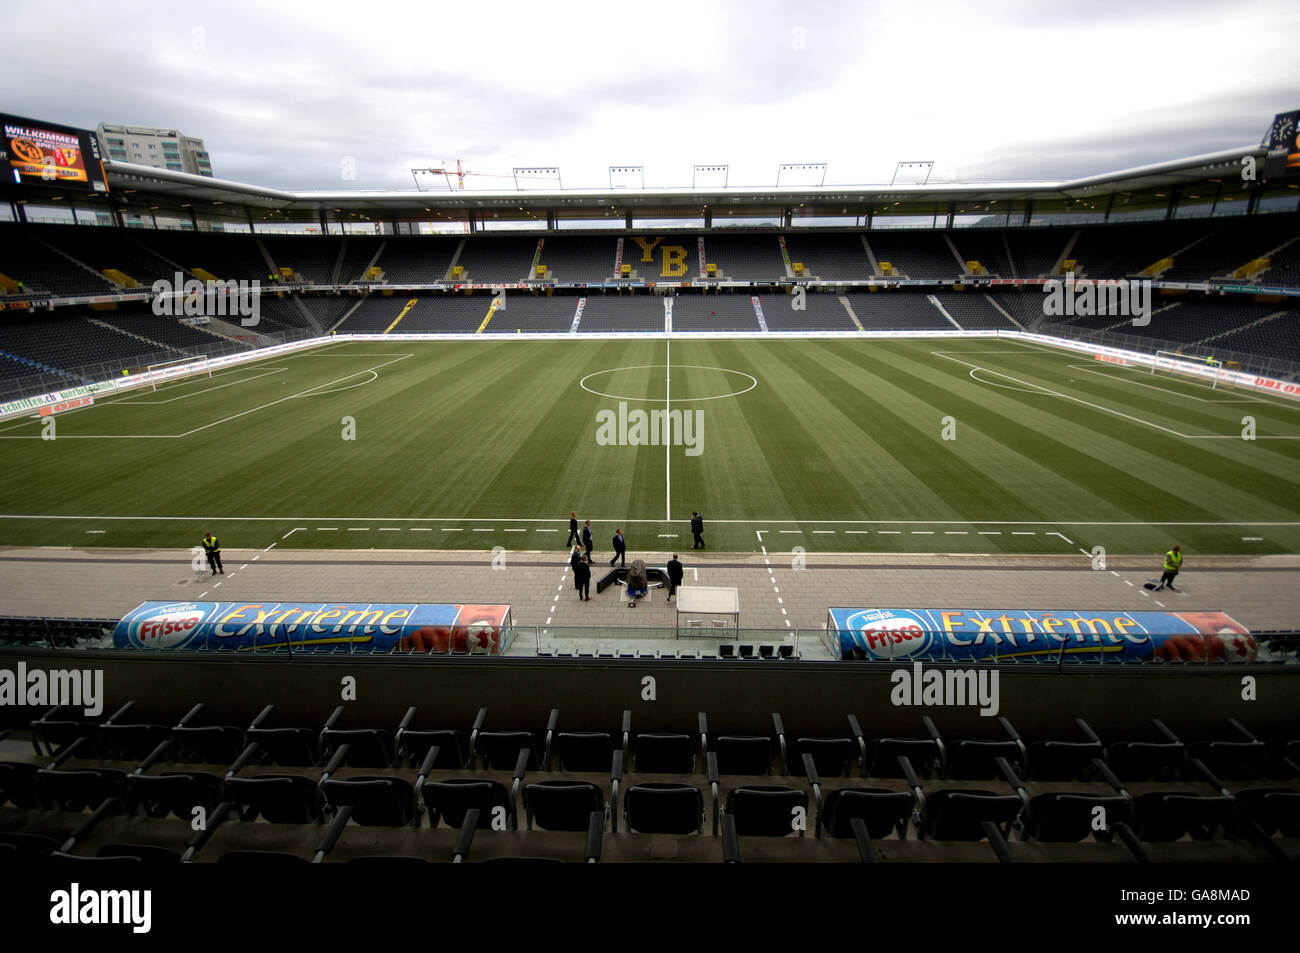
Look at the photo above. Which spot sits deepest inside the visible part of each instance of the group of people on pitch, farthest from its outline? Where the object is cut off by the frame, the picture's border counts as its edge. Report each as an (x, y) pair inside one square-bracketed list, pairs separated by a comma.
[(580, 557)]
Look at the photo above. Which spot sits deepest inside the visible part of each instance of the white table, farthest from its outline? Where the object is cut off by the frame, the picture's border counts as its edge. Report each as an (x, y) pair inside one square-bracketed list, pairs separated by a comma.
[(701, 602)]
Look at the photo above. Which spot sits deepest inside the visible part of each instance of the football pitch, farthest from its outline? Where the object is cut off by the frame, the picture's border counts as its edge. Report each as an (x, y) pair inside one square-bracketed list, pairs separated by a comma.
[(917, 445)]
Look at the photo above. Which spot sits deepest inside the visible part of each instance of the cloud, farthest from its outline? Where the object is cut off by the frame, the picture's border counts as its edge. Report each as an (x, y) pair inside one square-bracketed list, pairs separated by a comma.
[(281, 93)]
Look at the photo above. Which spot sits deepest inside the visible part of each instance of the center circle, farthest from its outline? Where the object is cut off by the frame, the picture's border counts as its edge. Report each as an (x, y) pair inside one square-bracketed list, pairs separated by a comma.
[(753, 382)]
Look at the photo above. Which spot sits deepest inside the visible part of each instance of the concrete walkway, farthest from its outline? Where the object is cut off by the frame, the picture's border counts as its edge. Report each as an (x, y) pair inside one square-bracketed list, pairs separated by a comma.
[(1260, 592)]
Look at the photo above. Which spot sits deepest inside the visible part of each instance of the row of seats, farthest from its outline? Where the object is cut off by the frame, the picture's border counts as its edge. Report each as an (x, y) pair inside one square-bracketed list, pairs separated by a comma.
[(601, 785), (1200, 249)]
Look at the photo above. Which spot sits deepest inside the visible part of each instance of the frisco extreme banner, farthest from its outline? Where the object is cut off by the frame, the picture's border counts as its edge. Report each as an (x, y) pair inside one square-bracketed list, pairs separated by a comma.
[(373, 626), (989, 634)]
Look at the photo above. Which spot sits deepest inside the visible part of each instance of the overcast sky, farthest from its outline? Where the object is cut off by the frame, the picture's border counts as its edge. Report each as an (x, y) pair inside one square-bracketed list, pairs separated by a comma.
[(286, 93)]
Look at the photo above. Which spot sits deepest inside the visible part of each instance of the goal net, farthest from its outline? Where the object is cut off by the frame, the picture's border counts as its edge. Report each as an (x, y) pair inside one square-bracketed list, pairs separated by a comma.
[(1207, 370), (180, 369)]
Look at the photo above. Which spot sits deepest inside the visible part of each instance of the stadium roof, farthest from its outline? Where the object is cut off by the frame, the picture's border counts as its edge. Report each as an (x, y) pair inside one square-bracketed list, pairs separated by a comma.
[(733, 200), (1212, 180)]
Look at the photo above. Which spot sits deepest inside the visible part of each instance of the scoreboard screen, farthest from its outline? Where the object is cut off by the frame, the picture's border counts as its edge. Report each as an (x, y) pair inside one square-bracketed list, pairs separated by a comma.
[(42, 153), (1283, 144)]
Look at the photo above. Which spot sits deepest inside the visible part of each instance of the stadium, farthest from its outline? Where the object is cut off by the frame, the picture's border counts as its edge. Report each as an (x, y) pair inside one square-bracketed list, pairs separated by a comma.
[(943, 438)]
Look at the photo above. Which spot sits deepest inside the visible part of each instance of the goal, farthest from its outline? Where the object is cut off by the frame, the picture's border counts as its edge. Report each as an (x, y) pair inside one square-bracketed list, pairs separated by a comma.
[(180, 368), (1205, 369)]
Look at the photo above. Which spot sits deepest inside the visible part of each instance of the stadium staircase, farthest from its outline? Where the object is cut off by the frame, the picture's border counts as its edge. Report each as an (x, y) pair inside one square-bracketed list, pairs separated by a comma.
[(80, 264), (139, 337), (1242, 327), (1065, 254), (42, 367)]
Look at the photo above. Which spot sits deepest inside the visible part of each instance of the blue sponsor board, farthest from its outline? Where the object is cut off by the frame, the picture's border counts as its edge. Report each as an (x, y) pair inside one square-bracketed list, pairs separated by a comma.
[(1028, 634), (372, 626)]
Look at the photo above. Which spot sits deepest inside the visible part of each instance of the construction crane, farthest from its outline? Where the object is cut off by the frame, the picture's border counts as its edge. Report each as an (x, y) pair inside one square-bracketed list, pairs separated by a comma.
[(446, 171)]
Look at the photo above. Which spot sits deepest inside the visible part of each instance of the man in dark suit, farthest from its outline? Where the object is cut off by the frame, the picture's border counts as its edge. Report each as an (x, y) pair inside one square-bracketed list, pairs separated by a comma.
[(697, 528), (582, 579), (586, 539), (674, 576), (575, 557), (573, 529), (620, 548)]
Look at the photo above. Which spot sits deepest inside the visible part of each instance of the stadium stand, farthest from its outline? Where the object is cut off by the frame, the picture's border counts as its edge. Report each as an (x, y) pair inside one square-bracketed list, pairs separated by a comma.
[(226, 257), (901, 310), (41, 269), (74, 342), (622, 313), (416, 260), (986, 246), (572, 789), (973, 311), (579, 257), (915, 254), (497, 260), (311, 260), (1035, 251), (711, 312), (745, 257), (528, 312), (821, 312), (830, 257)]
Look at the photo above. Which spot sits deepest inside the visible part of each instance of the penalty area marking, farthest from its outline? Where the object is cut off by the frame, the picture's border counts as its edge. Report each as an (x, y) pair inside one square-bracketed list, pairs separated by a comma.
[(1104, 409)]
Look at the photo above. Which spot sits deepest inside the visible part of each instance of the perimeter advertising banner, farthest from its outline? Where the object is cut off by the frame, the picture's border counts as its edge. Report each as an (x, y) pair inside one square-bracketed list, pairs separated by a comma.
[(368, 626), (998, 634)]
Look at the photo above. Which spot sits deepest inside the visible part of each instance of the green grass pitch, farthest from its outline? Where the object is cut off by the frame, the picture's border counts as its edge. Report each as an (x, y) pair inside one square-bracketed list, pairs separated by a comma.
[(833, 445)]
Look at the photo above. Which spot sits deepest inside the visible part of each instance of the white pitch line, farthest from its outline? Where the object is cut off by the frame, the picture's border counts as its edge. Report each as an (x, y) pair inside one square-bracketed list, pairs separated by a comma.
[(668, 455), (1159, 603), (922, 532), (421, 529), (1118, 413), (515, 519), (990, 532), (96, 531), (546, 531), (515, 531), (1062, 535), (327, 529), (889, 532), (479, 529), (448, 529), (858, 532), (796, 532), (272, 546), (955, 532), (358, 529), (394, 529), (1022, 533), (830, 531)]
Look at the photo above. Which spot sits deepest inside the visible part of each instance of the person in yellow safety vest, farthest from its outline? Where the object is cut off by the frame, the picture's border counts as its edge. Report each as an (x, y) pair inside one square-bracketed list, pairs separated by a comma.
[(1173, 563), (212, 546)]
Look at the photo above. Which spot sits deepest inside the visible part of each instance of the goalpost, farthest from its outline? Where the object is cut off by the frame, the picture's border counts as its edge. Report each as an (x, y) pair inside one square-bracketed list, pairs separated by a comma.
[(185, 372), (1187, 365)]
